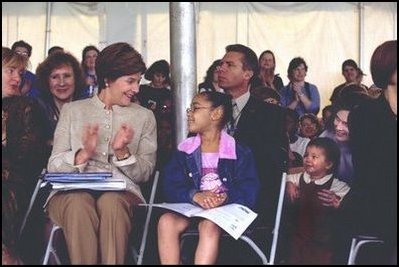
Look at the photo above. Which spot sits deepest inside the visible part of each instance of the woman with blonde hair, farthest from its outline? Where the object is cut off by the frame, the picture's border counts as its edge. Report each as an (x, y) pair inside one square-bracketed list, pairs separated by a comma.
[(23, 154)]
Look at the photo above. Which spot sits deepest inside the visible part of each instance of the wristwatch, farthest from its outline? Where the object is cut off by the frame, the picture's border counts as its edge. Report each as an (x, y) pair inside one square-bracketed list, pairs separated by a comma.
[(125, 156)]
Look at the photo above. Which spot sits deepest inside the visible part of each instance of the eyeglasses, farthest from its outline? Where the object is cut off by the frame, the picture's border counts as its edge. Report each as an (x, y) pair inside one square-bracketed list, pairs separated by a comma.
[(310, 125), (22, 53), (193, 109)]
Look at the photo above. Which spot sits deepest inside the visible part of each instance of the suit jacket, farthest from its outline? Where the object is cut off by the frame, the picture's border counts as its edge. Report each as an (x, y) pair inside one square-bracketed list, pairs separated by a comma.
[(261, 127), (68, 140)]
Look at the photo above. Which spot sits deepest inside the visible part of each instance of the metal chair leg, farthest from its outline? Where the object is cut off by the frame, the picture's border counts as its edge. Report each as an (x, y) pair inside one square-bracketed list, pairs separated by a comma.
[(357, 243), (50, 248)]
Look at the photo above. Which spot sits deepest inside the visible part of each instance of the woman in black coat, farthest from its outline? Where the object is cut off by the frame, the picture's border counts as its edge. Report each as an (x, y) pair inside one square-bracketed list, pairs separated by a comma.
[(373, 128)]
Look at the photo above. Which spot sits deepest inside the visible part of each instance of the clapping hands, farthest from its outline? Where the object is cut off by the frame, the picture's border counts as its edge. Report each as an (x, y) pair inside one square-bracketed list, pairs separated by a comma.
[(89, 143), (123, 137)]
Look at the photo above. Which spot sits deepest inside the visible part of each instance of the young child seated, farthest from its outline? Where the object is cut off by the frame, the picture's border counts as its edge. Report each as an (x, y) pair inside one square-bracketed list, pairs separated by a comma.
[(316, 194), (208, 170)]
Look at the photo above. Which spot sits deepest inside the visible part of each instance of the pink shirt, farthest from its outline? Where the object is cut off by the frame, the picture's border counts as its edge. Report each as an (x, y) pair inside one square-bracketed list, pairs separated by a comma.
[(210, 180), (227, 150)]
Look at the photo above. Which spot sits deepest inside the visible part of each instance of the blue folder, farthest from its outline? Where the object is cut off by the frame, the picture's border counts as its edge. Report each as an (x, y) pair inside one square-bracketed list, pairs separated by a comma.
[(68, 177)]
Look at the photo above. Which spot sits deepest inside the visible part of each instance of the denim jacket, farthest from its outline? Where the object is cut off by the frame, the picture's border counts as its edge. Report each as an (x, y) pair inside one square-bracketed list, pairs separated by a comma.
[(182, 176)]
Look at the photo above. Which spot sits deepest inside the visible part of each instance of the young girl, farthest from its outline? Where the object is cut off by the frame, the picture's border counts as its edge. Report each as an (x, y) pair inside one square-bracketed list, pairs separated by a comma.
[(316, 194), (208, 170)]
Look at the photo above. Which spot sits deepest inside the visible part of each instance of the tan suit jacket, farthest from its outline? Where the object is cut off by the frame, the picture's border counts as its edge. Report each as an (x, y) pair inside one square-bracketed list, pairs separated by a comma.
[(68, 140)]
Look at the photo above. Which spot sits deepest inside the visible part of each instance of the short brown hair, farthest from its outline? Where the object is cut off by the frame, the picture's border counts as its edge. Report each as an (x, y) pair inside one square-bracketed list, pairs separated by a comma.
[(384, 63), (331, 151), (23, 44), (160, 66), (116, 60), (294, 63)]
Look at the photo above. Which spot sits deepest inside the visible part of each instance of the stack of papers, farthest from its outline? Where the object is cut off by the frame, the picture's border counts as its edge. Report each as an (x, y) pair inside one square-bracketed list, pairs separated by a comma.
[(71, 177), (98, 181), (233, 218)]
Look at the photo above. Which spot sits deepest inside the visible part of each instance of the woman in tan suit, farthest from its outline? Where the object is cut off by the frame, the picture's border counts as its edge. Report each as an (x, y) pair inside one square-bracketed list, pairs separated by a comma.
[(105, 133)]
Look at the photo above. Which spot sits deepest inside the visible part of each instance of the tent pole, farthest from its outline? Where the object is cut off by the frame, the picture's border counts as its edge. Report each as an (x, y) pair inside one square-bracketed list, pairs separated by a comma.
[(183, 61), (361, 34), (48, 28), (395, 22)]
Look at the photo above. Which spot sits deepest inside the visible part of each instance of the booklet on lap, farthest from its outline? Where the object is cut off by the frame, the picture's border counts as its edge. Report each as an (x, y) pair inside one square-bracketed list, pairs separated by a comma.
[(70, 177), (97, 181), (105, 185), (233, 218)]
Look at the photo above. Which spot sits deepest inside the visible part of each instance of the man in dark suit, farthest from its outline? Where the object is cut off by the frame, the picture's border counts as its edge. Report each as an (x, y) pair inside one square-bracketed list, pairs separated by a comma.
[(256, 124)]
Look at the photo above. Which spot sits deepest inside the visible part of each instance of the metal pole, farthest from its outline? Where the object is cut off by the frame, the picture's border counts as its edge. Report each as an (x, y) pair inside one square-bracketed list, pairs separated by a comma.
[(183, 61), (48, 28), (361, 34), (395, 20)]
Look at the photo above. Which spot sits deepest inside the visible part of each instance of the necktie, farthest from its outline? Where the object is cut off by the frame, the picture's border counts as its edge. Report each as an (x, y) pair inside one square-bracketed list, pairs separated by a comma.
[(236, 112), (233, 123)]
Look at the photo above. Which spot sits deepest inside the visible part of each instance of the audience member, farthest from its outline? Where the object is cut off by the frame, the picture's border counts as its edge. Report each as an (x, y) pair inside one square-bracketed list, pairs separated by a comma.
[(309, 126), (352, 74), (195, 174), (105, 133), (326, 113), (337, 128), (373, 133), (60, 81), (352, 95), (299, 95), (257, 124), (55, 49), (23, 157), (210, 82), (267, 65), (338, 131), (157, 96), (316, 193), (153, 95), (297, 143), (27, 85), (89, 55)]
